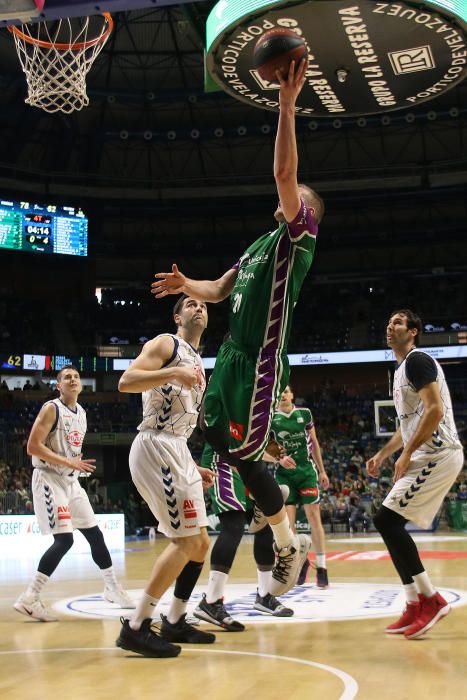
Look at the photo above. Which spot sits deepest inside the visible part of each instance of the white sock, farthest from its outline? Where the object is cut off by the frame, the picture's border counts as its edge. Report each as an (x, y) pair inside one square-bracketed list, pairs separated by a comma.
[(216, 586), (411, 594), (177, 609), (144, 609), (264, 582), (282, 532), (321, 560), (424, 585), (37, 584), (109, 577)]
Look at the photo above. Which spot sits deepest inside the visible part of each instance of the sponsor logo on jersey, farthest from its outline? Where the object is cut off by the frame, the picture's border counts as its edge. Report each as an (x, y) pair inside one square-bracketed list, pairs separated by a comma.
[(300, 419), (236, 430), (311, 491), (189, 510), (64, 513), (75, 438)]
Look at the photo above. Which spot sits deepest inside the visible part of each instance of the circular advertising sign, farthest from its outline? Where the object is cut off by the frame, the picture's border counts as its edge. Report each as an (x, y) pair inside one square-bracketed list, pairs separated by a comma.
[(365, 57)]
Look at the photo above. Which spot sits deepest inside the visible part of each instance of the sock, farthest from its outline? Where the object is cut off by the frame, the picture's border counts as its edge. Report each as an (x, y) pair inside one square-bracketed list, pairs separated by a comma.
[(37, 584), (282, 532), (423, 584), (264, 582), (176, 610), (216, 586), (109, 577), (144, 609), (321, 560), (410, 590)]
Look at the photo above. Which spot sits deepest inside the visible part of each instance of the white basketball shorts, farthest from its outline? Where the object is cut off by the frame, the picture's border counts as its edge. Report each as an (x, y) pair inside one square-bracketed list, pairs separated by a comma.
[(419, 494), (60, 506), (166, 476)]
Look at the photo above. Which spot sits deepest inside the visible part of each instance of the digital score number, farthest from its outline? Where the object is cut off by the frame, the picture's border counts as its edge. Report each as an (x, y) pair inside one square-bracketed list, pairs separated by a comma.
[(43, 228)]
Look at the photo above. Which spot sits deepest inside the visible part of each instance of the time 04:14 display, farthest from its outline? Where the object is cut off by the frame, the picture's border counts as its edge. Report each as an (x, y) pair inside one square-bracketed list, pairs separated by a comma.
[(37, 228)]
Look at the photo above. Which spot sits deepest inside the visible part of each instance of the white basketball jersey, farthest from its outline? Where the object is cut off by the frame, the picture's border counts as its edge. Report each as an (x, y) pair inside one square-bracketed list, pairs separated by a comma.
[(65, 438), (172, 408), (409, 407)]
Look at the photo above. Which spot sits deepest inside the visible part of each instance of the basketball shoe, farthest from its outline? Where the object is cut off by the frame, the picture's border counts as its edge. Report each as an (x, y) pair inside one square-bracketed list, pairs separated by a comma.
[(119, 596), (145, 641), (259, 520), (272, 606), (289, 561), (408, 617), (322, 577), (217, 615), (303, 572), (33, 607), (432, 609), (182, 631)]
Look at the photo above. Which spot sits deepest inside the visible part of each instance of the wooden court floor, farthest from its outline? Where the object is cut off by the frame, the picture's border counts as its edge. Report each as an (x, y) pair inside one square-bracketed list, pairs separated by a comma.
[(335, 648)]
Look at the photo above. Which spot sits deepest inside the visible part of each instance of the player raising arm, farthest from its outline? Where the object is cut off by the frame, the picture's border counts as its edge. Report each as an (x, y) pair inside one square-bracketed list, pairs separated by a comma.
[(252, 366)]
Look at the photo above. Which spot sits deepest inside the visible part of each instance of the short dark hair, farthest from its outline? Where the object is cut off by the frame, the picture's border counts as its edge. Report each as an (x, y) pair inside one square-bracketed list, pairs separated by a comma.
[(413, 321), (313, 200), (179, 304), (59, 375)]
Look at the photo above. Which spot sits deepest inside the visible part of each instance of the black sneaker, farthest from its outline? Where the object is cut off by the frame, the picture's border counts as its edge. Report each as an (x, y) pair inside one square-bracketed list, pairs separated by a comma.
[(322, 577), (269, 604), (217, 615), (181, 631), (303, 572), (145, 641)]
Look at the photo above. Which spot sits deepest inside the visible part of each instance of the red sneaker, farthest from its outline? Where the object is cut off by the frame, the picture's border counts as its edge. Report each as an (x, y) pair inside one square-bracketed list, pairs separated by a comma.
[(408, 617), (431, 610)]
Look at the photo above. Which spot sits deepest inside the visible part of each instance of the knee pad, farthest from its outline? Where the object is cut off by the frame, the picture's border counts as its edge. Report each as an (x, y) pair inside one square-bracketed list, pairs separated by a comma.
[(63, 542), (388, 520)]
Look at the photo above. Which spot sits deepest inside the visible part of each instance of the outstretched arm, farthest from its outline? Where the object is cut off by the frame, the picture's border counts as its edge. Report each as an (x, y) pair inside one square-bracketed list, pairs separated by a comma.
[(176, 282), (285, 152)]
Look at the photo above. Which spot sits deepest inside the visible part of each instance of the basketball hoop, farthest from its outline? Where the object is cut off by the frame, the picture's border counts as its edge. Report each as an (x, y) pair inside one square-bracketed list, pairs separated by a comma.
[(57, 55)]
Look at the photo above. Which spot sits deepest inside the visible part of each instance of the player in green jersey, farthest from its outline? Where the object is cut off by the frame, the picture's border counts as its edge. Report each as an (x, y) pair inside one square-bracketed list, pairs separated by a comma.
[(233, 506), (293, 428), (252, 368)]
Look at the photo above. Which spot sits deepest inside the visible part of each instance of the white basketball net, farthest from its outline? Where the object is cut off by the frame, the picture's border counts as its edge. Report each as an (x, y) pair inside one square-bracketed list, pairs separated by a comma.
[(56, 58)]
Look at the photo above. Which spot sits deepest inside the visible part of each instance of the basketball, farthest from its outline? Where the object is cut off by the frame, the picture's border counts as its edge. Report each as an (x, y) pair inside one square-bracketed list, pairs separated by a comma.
[(275, 50)]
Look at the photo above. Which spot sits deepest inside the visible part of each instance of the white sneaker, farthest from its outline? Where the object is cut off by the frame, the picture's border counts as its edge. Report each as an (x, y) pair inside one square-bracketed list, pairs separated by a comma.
[(119, 596), (259, 520), (289, 561), (33, 607)]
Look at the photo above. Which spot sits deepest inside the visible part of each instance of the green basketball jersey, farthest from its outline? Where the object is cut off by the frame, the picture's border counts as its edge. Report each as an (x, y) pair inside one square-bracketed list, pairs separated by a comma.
[(291, 431), (269, 279)]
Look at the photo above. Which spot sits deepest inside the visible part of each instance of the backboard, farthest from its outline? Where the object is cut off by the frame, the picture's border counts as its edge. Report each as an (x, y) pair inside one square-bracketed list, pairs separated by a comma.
[(386, 420)]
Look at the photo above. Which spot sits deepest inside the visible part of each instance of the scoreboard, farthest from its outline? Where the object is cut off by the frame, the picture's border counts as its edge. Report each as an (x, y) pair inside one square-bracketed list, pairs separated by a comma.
[(43, 228)]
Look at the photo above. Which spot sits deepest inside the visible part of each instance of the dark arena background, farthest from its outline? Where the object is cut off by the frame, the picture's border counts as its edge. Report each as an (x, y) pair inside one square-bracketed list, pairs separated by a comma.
[(169, 159)]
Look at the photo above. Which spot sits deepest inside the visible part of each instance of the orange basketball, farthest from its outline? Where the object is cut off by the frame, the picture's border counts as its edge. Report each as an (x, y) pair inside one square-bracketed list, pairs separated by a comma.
[(275, 50)]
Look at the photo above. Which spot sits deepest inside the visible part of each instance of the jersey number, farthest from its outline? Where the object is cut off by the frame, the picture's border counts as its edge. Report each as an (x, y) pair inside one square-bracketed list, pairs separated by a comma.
[(237, 302)]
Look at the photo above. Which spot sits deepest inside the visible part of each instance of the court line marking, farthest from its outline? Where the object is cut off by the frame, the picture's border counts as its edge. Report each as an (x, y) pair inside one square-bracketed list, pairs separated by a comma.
[(350, 684)]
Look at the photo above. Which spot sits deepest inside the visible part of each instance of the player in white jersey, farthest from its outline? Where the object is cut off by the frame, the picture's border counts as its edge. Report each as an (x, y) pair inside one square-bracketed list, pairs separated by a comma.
[(61, 505), (169, 373), (430, 460)]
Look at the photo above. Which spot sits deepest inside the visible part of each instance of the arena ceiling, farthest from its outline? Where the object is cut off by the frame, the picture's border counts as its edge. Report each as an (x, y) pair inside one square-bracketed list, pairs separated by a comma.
[(152, 135)]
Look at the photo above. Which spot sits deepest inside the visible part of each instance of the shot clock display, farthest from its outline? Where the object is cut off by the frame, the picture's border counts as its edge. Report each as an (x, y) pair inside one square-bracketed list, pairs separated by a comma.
[(43, 228)]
